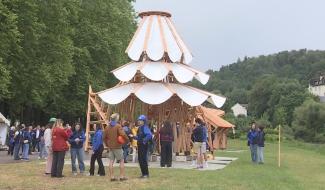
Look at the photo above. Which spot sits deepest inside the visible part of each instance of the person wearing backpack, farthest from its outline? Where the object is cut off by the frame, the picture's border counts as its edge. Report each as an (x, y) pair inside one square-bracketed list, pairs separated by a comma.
[(199, 139), (111, 135), (143, 137)]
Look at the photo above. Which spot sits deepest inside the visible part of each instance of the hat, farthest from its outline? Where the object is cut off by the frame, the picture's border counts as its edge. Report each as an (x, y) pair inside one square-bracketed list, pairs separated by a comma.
[(115, 117), (142, 118), (53, 119)]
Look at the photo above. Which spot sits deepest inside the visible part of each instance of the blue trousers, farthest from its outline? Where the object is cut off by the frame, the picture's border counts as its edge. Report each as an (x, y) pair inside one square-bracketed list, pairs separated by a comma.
[(16, 151), (25, 152), (253, 148), (77, 153)]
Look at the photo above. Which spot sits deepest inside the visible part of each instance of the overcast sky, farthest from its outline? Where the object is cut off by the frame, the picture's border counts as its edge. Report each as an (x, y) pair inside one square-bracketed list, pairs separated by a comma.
[(220, 31)]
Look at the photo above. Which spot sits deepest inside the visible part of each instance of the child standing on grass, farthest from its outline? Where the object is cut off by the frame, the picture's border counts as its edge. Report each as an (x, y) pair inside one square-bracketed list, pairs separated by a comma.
[(260, 144)]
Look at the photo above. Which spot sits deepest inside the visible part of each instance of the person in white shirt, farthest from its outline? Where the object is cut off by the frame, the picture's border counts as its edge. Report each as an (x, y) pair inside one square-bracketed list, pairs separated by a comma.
[(48, 146)]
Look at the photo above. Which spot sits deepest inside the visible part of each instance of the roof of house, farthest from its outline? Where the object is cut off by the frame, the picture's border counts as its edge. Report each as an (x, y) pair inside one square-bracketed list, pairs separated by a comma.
[(213, 117), (242, 105), (317, 81)]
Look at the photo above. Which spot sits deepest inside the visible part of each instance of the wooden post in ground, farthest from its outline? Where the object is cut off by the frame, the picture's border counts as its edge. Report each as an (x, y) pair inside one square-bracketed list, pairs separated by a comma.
[(279, 154), (88, 119)]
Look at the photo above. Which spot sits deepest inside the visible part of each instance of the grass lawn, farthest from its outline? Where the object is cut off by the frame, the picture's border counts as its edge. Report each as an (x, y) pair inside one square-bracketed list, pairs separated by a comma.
[(303, 167)]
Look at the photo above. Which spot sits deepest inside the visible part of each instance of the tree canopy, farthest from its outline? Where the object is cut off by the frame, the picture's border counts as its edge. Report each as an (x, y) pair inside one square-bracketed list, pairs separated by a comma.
[(50, 51)]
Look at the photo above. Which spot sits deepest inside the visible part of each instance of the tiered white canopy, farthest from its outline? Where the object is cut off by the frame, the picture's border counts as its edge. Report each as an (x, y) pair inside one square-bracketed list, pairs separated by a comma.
[(157, 93), (155, 36), (165, 53), (157, 71)]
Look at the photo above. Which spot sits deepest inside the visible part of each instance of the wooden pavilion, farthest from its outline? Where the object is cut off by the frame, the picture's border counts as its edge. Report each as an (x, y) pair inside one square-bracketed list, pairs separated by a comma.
[(153, 83)]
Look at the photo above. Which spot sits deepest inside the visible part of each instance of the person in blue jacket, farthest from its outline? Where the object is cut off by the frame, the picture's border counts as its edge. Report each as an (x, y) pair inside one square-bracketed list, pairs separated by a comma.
[(11, 141), (252, 142), (76, 141), (97, 148), (27, 139), (143, 137), (260, 144)]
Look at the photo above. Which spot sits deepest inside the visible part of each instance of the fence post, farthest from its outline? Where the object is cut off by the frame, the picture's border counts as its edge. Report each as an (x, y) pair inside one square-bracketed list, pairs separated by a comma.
[(279, 154)]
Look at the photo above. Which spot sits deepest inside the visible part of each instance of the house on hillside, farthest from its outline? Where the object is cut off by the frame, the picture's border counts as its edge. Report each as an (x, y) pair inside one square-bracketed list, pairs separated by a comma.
[(239, 109), (317, 87)]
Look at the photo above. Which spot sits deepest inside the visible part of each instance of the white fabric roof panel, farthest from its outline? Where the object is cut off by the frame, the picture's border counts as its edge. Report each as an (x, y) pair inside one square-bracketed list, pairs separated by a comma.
[(153, 93), (157, 93), (157, 71), (155, 36), (117, 94)]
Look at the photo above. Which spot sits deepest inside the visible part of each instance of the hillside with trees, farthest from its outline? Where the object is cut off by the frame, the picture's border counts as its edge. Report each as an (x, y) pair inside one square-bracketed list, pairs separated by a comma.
[(275, 89)]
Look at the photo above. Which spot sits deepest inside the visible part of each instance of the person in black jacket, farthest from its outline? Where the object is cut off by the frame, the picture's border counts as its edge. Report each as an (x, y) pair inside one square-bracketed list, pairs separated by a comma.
[(260, 144), (166, 139)]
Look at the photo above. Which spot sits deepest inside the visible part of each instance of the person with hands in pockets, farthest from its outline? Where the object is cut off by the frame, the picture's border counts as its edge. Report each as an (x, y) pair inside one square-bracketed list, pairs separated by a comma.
[(143, 137)]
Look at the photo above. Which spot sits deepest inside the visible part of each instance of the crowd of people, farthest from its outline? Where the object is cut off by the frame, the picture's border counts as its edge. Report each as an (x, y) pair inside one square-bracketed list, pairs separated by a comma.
[(139, 140), (23, 140), (255, 141)]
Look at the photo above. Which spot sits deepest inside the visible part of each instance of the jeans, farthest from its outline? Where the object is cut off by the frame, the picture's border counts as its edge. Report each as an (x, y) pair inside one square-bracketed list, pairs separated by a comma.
[(57, 163), (26, 151), (260, 154), (125, 152), (42, 152), (77, 153), (253, 148), (16, 151), (142, 157)]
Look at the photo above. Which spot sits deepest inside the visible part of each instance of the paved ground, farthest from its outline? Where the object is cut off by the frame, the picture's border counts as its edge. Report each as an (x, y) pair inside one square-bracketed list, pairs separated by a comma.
[(216, 164), (5, 158)]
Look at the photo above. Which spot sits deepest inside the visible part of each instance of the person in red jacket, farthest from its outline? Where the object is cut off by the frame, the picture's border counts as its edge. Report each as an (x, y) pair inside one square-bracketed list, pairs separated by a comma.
[(59, 146)]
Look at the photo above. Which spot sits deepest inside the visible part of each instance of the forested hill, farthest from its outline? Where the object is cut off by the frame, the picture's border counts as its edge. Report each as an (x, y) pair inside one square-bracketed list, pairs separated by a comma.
[(268, 84)]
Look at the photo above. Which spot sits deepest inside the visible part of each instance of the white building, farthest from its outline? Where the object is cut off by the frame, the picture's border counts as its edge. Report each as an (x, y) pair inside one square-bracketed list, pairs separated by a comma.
[(317, 87), (239, 109), (4, 125)]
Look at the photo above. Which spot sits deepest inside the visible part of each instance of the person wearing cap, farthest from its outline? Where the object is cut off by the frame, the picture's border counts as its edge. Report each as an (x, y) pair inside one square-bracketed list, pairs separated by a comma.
[(111, 134), (143, 136), (48, 145)]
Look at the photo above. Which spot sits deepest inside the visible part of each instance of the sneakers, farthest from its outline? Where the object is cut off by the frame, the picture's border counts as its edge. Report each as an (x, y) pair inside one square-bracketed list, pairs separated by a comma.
[(205, 165), (144, 177), (74, 173), (123, 179)]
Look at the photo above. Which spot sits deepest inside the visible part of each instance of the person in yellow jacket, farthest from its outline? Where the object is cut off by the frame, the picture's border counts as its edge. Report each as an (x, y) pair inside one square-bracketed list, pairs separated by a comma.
[(134, 131)]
